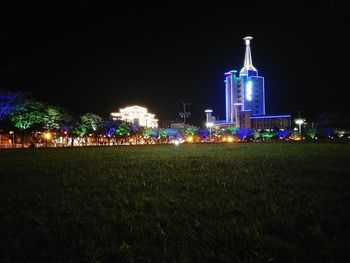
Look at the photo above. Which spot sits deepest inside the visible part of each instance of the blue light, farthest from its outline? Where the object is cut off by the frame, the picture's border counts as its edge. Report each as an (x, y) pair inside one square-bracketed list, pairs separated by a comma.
[(270, 116), (249, 90)]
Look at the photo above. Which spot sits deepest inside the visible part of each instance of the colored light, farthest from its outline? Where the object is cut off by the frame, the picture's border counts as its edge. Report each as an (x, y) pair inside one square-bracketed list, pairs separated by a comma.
[(189, 139), (249, 91), (47, 136), (176, 142)]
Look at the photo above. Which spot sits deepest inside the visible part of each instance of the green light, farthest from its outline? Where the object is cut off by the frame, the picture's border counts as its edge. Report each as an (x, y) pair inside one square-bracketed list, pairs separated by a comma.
[(123, 130), (267, 134), (28, 114), (53, 118), (191, 131), (92, 121), (311, 133)]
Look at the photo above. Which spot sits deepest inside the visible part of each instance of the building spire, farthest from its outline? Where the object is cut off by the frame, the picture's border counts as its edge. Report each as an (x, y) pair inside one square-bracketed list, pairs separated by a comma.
[(248, 63)]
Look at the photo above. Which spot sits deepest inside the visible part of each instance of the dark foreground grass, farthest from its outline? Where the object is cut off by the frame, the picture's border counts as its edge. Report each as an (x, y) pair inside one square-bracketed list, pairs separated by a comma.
[(275, 202)]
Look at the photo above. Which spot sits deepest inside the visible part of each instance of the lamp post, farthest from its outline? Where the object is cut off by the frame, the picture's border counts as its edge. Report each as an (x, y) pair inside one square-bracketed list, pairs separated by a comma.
[(11, 136), (209, 125), (300, 122)]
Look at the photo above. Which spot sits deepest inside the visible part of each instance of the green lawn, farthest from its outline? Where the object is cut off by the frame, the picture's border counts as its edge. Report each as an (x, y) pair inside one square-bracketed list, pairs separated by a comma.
[(246, 202)]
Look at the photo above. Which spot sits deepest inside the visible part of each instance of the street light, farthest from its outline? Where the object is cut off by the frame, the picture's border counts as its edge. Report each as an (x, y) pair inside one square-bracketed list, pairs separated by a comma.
[(300, 122), (209, 125), (11, 136)]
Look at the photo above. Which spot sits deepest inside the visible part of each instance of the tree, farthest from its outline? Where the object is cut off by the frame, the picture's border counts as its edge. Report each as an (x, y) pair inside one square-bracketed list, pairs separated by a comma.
[(245, 133), (283, 134), (163, 133), (55, 118), (172, 132), (109, 127), (80, 129), (92, 121), (9, 102), (232, 130), (28, 115), (123, 130), (150, 133), (204, 133), (191, 131), (267, 134)]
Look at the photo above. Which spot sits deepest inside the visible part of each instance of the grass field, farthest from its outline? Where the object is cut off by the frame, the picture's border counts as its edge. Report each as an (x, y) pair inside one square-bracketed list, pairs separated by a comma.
[(263, 202)]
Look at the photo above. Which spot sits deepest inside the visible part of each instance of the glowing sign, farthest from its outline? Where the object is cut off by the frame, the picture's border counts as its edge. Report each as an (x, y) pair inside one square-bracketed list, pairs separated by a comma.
[(249, 91)]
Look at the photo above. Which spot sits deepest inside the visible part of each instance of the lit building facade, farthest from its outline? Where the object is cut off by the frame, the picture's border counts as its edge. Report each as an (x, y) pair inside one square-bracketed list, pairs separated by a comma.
[(136, 115), (246, 91), (245, 98)]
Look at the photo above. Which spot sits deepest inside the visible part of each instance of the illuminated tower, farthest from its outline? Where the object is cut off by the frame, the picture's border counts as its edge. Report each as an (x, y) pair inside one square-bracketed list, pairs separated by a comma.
[(244, 93), (248, 67)]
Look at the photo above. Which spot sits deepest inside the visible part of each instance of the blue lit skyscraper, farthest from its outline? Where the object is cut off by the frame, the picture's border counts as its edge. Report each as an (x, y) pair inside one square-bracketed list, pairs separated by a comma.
[(245, 99), (244, 93)]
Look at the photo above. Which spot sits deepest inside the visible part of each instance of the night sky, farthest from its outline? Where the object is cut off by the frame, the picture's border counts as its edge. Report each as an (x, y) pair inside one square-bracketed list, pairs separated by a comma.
[(95, 57)]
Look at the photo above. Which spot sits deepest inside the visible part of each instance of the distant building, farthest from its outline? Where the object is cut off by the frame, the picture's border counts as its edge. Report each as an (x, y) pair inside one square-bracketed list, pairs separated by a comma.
[(245, 99), (334, 119), (246, 91), (137, 115), (270, 122), (175, 123)]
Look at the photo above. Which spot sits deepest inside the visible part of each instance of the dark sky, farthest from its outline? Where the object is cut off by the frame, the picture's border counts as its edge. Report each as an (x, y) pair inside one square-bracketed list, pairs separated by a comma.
[(95, 57)]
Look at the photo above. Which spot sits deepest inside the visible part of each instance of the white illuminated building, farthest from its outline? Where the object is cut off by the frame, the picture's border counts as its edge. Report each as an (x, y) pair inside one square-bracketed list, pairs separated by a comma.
[(136, 115)]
